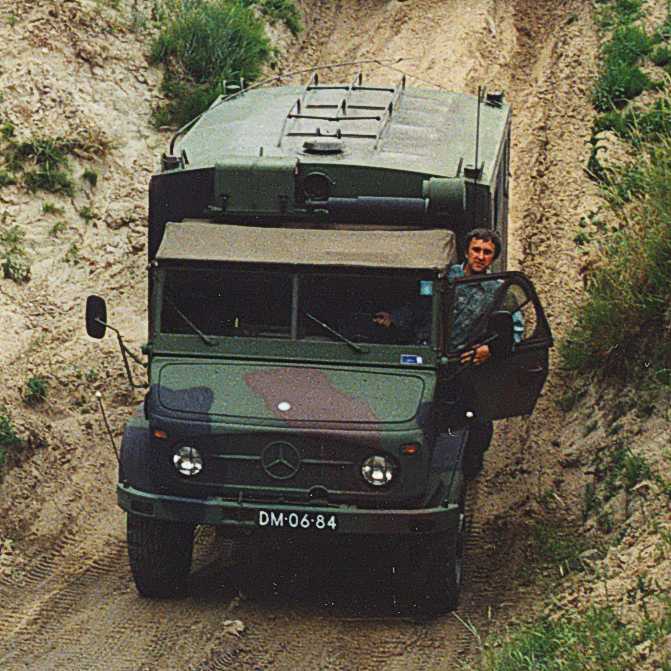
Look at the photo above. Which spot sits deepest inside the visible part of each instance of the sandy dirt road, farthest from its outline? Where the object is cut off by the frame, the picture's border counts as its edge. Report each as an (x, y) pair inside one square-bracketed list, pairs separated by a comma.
[(66, 596)]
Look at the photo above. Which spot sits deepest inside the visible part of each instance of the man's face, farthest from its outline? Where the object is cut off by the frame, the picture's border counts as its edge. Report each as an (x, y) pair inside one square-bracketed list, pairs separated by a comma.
[(479, 256)]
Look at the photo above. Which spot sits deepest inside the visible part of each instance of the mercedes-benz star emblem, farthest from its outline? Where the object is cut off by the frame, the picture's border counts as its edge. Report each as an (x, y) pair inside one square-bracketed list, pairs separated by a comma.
[(280, 460)]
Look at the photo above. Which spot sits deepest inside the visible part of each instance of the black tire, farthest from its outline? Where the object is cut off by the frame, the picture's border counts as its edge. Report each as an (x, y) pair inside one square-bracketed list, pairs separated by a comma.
[(160, 554), (256, 573), (429, 572), (479, 439)]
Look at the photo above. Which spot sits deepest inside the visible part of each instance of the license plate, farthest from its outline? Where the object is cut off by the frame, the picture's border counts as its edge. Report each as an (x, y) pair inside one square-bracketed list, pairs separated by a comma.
[(272, 519)]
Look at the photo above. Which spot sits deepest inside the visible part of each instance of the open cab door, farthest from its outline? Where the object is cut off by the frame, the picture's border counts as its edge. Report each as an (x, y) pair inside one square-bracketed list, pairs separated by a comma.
[(503, 312)]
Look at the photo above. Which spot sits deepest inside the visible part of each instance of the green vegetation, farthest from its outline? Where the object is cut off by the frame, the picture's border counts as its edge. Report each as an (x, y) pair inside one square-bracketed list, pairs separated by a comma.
[(91, 375), (620, 325), (661, 56), (621, 78), (558, 545), (619, 468), (50, 208), (612, 13), (202, 44), (49, 158), (72, 254), (638, 125), (6, 178), (566, 402), (279, 10), (87, 213), (8, 437), (90, 176), (57, 229), (35, 391), (7, 130), (596, 640), (42, 162), (15, 264)]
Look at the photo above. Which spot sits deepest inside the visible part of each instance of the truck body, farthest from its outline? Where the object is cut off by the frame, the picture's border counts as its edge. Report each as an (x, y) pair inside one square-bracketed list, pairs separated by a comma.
[(282, 221)]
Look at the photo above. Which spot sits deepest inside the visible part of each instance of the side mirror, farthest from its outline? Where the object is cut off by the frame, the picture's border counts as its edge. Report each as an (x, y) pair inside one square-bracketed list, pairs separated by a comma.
[(96, 316), (500, 329)]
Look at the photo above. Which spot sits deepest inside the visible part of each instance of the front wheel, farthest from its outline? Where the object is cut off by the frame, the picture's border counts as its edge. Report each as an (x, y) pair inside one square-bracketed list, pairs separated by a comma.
[(479, 439), (428, 573), (160, 555)]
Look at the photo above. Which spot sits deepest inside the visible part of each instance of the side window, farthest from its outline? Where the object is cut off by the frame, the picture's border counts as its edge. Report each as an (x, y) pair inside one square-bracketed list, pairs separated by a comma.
[(520, 304), (474, 299), (472, 303)]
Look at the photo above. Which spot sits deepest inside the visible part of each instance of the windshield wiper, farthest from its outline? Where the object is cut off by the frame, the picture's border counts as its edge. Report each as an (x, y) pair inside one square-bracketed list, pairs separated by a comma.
[(332, 331), (196, 330)]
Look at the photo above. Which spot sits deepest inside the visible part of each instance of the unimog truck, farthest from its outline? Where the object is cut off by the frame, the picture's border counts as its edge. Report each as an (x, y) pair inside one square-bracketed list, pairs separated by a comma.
[(282, 221)]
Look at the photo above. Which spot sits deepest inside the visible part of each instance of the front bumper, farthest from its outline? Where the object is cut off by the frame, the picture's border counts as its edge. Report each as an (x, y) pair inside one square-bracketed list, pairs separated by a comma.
[(244, 516)]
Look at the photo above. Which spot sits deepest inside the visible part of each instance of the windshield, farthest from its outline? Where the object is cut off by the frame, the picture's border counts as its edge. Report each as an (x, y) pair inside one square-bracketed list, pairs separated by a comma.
[(370, 308)]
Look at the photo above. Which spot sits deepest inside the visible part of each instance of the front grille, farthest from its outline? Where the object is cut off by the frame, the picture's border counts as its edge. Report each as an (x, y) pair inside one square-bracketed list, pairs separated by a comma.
[(298, 467), (309, 463)]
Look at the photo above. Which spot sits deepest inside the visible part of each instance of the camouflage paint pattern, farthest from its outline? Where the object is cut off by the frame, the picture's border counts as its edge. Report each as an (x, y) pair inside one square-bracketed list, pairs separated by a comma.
[(335, 417)]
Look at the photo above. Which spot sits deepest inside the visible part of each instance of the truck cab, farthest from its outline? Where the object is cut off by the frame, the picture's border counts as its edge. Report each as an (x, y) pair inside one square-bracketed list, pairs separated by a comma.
[(280, 402)]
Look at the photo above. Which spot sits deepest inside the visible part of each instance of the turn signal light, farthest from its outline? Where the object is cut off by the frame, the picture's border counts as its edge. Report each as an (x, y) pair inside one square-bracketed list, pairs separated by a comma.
[(410, 449), (160, 434)]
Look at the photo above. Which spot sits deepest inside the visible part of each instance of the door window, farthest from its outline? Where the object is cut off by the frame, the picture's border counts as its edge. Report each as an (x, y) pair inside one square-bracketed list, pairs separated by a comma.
[(474, 299)]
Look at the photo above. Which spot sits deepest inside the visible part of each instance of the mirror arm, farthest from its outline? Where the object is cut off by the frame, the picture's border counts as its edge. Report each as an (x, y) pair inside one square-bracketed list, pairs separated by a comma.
[(125, 353)]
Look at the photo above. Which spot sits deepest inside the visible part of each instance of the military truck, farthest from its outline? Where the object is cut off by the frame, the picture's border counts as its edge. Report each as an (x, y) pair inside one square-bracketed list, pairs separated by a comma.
[(283, 219)]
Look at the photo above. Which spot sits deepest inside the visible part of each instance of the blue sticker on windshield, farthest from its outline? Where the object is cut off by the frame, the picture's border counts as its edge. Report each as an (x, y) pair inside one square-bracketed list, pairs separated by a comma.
[(411, 359), (426, 288)]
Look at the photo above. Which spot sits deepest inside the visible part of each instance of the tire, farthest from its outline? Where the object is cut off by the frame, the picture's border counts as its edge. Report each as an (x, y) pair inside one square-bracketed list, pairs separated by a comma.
[(429, 572), (479, 439), (255, 572), (160, 554)]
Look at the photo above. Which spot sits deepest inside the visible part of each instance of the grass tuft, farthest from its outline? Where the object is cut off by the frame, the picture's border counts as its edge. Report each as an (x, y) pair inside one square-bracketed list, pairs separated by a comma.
[(15, 265), (8, 437), (201, 44), (35, 391), (51, 208), (6, 178), (72, 254), (90, 176), (43, 161), (7, 130), (661, 56), (621, 79), (88, 214), (279, 10)]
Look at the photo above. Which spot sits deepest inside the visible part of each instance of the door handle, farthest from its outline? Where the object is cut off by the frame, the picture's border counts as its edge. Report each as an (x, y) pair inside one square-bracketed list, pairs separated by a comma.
[(534, 371)]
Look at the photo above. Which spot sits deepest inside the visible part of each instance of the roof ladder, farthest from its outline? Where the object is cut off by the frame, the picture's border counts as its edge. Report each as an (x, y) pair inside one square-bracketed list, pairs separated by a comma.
[(339, 112)]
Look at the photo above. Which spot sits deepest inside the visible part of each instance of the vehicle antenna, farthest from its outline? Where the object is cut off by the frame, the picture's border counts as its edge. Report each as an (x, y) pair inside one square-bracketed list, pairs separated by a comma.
[(477, 128), (99, 398), (476, 169)]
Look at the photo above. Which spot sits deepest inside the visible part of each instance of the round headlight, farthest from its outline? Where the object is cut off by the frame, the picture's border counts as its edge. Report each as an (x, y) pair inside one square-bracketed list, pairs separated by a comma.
[(187, 460), (377, 471)]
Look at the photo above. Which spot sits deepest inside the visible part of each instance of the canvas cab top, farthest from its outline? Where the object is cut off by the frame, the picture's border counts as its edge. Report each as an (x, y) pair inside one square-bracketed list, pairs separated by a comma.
[(389, 249)]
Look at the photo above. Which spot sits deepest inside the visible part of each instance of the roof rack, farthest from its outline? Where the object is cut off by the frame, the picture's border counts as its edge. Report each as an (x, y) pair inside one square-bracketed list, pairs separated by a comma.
[(308, 106)]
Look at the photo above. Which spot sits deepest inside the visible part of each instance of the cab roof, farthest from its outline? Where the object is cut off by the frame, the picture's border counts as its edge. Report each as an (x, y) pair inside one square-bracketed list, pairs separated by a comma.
[(196, 240), (419, 131)]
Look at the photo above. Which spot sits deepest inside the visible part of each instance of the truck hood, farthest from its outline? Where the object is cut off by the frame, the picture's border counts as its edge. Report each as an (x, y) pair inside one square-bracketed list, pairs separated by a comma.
[(301, 394)]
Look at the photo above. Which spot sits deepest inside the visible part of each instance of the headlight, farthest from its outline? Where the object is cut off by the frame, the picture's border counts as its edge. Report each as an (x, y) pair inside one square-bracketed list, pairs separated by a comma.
[(187, 460), (378, 471)]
